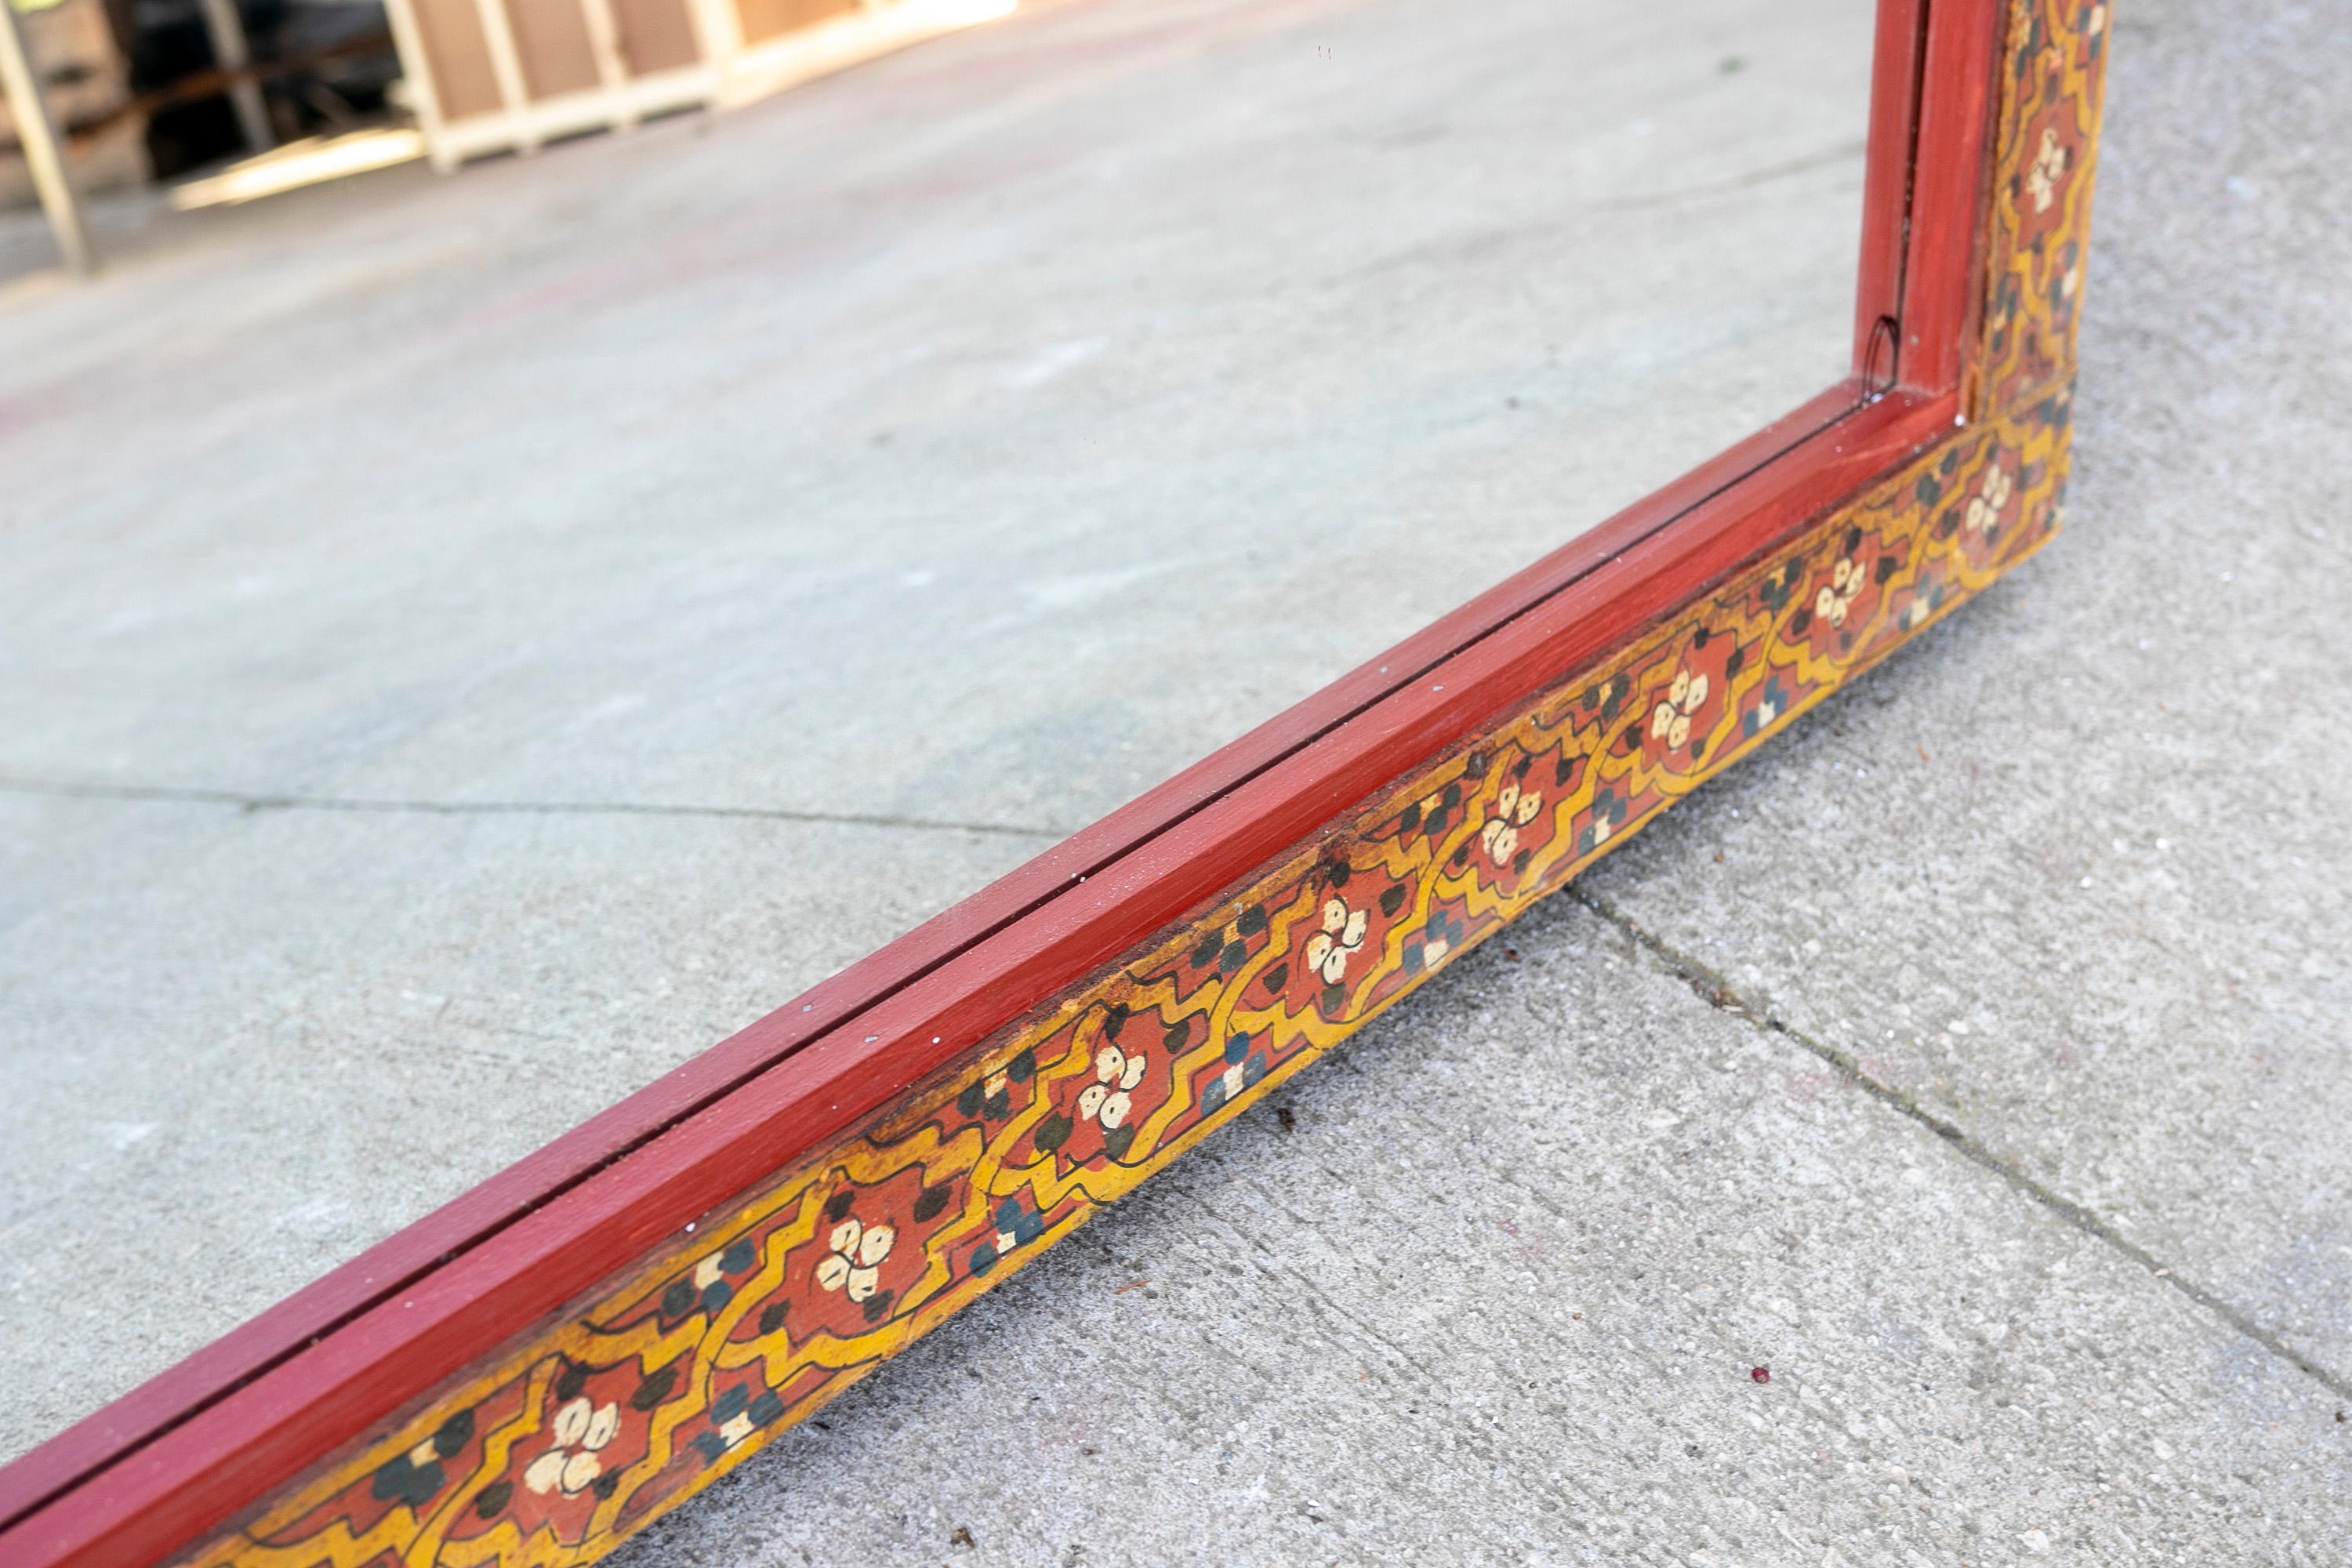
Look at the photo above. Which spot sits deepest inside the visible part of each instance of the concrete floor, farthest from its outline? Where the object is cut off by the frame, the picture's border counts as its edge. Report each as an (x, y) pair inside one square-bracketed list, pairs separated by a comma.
[(2019, 1159)]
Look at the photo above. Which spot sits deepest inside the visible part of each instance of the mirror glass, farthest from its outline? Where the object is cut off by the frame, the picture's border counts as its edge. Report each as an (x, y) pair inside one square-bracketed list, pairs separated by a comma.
[(468, 643)]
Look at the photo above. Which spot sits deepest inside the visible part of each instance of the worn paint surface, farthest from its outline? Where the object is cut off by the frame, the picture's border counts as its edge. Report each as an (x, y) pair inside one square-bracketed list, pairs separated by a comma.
[(574, 1436)]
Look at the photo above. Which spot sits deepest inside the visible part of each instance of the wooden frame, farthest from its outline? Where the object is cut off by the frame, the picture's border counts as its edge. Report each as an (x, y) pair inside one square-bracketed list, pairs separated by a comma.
[(36, 137), (730, 68), (537, 1369)]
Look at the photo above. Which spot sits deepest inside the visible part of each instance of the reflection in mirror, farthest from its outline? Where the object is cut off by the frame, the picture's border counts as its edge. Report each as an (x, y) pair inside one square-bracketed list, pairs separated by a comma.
[(471, 643)]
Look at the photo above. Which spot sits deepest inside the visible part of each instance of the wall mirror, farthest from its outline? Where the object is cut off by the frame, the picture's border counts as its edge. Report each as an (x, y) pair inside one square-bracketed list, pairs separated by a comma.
[(1025, 590)]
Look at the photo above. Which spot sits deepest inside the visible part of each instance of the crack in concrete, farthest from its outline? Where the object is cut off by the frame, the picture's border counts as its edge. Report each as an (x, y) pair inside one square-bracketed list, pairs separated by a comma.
[(244, 800), (1712, 988)]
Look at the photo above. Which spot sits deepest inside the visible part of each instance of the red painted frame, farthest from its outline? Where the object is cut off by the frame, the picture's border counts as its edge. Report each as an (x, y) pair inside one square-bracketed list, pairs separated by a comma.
[(174, 1457)]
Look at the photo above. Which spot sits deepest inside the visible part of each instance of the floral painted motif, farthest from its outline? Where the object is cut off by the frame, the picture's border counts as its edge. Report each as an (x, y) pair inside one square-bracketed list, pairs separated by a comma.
[(1837, 595), (562, 1445), (1670, 721), (1991, 499), (569, 1465), (2049, 168), (1107, 1099), (1514, 808), (1343, 936), (855, 1264)]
